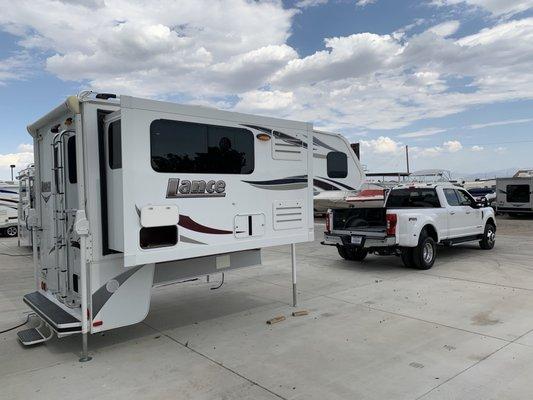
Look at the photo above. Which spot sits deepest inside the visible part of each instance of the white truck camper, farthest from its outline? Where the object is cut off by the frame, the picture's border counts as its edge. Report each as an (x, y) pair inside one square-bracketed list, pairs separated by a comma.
[(9, 199), (515, 195), (26, 204), (133, 193)]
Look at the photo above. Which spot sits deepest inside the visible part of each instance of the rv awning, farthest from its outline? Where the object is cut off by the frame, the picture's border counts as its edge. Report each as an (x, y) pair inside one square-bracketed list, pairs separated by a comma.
[(70, 105)]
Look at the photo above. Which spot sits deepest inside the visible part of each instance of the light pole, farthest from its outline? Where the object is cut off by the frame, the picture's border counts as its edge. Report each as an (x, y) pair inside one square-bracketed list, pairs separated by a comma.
[(12, 166)]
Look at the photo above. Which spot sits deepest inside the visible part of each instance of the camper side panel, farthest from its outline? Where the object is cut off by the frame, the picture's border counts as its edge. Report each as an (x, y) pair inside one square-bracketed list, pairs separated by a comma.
[(198, 182)]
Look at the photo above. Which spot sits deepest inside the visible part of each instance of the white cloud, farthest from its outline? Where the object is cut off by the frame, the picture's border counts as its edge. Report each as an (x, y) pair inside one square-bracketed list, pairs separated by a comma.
[(501, 123), (363, 3), (422, 133), (21, 159), (25, 148), (382, 145), (156, 48), (504, 8), (453, 146), (477, 148), (264, 100), (445, 29), (208, 52), (310, 3), (15, 67)]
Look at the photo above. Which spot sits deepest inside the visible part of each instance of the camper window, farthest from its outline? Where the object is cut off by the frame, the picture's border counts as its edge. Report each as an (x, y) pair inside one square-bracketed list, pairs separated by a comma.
[(188, 147), (337, 164), (115, 145), (518, 193), (71, 151)]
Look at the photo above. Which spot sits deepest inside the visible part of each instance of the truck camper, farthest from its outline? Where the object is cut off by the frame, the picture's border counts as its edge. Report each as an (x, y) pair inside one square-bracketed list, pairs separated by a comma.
[(133, 193)]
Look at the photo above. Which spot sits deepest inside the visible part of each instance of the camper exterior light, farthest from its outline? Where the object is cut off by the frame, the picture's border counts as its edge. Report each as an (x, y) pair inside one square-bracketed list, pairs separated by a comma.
[(263, 137)]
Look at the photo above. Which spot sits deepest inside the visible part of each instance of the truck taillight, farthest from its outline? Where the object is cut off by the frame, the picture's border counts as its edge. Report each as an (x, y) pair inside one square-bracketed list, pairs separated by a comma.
[(392, 219), (329, 217)]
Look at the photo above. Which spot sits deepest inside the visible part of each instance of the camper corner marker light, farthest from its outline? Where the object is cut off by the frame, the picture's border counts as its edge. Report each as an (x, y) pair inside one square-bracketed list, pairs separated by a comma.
[(263, 137)]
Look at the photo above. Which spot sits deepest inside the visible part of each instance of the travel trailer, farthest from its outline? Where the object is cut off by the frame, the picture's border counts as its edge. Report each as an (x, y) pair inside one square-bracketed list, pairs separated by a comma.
[(515, 195), (330, 185), (9, 198), (133, 193), (26, 203)]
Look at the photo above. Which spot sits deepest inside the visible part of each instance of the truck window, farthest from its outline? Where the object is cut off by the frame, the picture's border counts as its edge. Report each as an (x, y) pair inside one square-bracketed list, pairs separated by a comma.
[(451, 197), (337, 164), (413, 198), (465, 199), (187, 147), (518, 193)]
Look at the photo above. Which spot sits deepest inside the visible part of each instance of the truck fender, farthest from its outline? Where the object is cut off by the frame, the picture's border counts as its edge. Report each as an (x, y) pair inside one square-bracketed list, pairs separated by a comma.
[(411, 226)]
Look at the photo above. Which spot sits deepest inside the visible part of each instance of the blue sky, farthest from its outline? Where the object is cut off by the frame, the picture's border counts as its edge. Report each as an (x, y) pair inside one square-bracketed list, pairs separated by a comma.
[(453, 79)]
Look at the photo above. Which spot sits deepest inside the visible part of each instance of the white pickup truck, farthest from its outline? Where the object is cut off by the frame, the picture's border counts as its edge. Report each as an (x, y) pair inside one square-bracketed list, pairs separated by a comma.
[(414, 220)]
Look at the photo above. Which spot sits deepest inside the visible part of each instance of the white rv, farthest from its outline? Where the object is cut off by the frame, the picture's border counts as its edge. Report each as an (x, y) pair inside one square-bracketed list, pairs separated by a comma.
[(26, 203), (132, 193), (336, 169), (9, 198), (515, 195)]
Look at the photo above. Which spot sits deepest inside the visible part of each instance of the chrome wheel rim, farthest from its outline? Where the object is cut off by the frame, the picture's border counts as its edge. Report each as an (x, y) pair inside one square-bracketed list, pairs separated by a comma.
[(491, 236), (427, 252), (11, 231)]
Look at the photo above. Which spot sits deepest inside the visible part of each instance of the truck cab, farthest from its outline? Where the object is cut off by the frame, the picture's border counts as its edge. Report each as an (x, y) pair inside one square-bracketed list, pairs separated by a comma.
[(413, 220)]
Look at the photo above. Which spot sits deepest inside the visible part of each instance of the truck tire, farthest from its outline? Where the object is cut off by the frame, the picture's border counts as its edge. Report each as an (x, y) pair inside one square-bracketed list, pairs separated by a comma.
[(489, 237), (407, 257), (352, 254), (425, 253), (11, 231)]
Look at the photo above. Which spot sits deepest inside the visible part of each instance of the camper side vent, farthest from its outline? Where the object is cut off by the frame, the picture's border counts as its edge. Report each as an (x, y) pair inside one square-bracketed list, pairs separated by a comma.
[(288, 214), (285, 147)]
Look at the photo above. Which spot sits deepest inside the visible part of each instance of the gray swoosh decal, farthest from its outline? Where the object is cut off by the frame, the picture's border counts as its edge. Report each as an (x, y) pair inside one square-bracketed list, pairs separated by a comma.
[(102, 295)]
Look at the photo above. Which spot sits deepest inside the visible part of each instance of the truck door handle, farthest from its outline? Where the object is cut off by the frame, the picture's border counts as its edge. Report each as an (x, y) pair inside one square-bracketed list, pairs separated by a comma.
[(468, 212), (452, 212)]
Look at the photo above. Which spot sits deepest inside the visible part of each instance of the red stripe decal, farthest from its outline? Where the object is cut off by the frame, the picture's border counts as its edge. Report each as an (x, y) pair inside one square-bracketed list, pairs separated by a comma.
[(188, 223)]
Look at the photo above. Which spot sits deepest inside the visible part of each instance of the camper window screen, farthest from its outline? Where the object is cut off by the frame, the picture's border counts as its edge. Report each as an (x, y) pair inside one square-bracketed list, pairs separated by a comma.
[(200, 148), (337, 164), (115, 145)]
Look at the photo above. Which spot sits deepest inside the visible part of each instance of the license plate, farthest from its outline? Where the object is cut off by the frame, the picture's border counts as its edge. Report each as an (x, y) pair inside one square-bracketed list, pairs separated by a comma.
[(357, 240)]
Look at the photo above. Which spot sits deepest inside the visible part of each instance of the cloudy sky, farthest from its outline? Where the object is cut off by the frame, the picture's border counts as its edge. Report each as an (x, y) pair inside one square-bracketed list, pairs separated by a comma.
[(453, 79)]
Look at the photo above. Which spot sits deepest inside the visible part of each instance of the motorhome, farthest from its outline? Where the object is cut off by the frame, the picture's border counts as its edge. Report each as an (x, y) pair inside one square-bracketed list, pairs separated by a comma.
[(515, 195), (133, 193), (26, 203), (9, 198)]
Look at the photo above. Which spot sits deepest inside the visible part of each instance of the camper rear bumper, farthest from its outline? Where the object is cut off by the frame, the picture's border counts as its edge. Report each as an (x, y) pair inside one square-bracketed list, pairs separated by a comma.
[(358, 240), (58, 319)]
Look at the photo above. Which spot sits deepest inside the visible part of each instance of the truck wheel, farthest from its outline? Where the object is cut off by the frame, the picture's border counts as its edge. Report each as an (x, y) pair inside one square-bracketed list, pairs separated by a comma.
[(407, 257), (11, 231), (489, 237), (425, 253), (352, 254)]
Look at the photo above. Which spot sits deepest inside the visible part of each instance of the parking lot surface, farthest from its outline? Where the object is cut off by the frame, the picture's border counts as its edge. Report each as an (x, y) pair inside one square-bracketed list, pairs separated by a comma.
[(375, 330)]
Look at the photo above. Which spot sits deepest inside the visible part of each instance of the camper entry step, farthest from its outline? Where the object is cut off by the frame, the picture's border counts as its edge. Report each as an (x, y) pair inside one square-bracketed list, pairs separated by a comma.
[(29, 337), (60, 320)]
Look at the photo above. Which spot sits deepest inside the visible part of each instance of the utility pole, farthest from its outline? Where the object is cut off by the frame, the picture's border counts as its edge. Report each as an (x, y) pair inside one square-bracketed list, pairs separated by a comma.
[(12, 166), (407, 157)]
